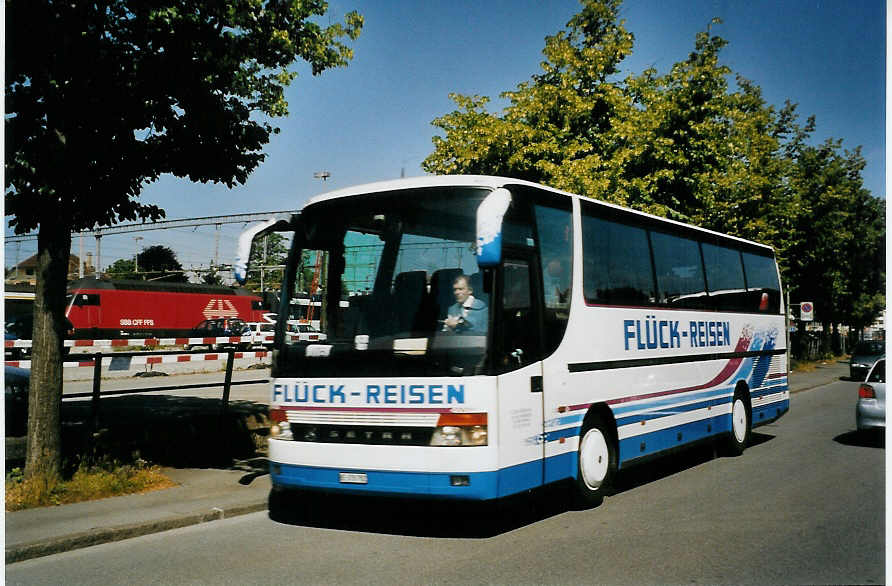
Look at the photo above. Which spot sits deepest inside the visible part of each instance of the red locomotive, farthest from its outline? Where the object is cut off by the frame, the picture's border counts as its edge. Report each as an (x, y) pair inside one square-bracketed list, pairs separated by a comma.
[(113, 309)]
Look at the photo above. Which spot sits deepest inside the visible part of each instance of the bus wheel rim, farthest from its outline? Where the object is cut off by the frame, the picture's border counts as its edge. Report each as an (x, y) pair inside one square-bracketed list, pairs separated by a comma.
[(738, 420), (594, 458)]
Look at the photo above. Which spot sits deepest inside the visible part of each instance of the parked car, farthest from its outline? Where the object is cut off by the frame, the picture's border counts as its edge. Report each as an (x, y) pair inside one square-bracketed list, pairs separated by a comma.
[(870, 411), (298, 332), (17, 382), (259, 334), (20, 327), (863, 357), (224, 327)]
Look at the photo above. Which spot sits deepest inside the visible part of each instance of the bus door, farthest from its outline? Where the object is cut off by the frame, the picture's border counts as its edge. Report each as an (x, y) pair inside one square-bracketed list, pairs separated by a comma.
[(518, 360)]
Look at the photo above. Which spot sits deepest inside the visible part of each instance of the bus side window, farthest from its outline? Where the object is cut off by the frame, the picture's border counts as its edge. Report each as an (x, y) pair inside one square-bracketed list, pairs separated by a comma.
[(679, 271), (520, 331), (554, 227), (763, 288), (724, 277), (616, 267)]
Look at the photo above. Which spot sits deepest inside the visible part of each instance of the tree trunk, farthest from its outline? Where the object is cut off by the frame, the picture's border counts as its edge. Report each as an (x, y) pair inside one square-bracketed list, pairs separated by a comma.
[(826, 339), (44, 451)]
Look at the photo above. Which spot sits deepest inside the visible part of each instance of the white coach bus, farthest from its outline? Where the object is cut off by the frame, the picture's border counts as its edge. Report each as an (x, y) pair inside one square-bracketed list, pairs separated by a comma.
[(512, 336)]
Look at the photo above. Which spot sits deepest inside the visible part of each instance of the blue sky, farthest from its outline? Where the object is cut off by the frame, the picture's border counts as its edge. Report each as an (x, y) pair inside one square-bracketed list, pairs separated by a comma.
[(371, 120)]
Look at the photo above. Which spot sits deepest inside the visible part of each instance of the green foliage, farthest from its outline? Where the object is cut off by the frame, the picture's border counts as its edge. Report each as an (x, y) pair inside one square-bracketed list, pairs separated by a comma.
[(271, 251), (559, 127), (683, 145), (123, 268), (156, 263), (88, 482), (837, 258), (115, 93), (159, 263), (212, 277)]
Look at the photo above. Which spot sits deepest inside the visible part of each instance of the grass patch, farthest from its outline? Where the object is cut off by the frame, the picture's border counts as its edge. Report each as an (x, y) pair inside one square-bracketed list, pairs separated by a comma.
[(803, 365), (810, 365), (88, 482)]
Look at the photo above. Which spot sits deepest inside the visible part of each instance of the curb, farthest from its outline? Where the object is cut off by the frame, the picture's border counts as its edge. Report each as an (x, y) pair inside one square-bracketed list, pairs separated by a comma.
[(27, 551)]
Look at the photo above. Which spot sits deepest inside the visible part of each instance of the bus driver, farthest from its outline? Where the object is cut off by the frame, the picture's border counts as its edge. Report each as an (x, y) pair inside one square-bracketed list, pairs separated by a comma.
[(467, 314)]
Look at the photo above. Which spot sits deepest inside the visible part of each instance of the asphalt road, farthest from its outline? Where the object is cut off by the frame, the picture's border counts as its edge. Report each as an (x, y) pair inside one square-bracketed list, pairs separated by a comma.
[(803, 505)]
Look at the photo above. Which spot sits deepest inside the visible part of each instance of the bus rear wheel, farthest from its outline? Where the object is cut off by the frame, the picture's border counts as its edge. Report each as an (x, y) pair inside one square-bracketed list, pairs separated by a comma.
[(597, 463)]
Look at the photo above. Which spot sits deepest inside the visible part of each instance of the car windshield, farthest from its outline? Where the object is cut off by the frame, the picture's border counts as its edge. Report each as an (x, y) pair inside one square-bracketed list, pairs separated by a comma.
[(878, 374), (378, 276)]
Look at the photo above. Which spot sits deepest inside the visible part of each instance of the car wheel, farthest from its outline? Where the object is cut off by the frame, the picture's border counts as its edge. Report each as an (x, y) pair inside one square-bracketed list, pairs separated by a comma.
[(597, 462), (741, 423)]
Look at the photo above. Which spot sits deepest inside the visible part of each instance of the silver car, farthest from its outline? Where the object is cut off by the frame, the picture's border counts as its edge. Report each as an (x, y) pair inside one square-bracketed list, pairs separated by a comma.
[(870, 412)]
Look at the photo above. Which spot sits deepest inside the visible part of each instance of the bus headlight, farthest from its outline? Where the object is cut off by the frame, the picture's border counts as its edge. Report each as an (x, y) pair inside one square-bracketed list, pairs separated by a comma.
[(279, 427), (461, 429)]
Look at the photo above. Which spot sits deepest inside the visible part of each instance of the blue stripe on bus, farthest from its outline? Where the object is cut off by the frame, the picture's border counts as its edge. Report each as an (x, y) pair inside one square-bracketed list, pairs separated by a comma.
[(768, 413), (672, 400), (650, 443), (673, 410), (769, 390), (565, 420), (562, 433), (481, 485), (664, 439)]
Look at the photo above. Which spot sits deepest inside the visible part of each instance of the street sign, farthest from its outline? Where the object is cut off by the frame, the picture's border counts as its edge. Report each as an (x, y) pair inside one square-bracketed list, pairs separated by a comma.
[(807, 311)]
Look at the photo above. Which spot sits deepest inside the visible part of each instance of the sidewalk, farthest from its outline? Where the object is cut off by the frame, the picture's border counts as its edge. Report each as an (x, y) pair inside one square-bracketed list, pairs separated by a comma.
[(202, 494)]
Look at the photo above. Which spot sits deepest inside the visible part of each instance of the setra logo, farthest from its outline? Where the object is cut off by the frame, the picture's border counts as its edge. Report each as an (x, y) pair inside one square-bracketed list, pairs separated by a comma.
[(219, 308)]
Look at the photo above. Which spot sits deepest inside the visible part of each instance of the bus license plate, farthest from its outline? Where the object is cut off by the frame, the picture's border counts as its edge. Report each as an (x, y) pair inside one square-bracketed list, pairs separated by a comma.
[(353, 478)]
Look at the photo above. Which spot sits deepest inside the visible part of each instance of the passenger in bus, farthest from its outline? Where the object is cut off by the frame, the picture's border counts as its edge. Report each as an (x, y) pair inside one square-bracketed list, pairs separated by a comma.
[(467, 315)]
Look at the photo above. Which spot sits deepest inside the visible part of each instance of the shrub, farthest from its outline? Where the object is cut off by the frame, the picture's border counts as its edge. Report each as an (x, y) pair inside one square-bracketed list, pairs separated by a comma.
[(89, 482)]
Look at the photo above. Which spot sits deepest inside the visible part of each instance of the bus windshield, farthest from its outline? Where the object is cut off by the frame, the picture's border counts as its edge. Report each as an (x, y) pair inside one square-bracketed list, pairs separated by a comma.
[(392, 284)]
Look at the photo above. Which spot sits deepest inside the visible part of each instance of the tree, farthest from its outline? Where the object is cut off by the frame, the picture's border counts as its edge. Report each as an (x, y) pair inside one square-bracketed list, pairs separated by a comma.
[(272, 251), (837, 257), (159, 263), (156, 263), (113, 94), (560, 128), (212, 277), (123, 268)]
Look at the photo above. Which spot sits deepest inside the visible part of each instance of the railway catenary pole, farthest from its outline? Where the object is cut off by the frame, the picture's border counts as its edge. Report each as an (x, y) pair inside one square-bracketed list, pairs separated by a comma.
[(98, 267), (166, 225), (150, 226)]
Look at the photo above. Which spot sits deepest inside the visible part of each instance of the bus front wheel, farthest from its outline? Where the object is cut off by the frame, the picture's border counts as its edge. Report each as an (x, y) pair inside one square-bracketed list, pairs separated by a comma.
[(597, 463)]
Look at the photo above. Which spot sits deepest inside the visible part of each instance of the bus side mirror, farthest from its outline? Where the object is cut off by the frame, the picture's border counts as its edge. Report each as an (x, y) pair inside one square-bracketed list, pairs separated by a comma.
[(246, 239), (490, 213)]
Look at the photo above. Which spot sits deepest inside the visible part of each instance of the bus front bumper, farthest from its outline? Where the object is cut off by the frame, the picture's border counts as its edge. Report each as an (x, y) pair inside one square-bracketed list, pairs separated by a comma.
[(450, 485)]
